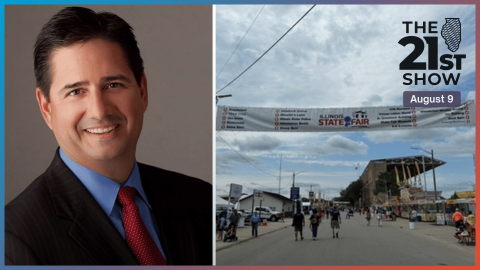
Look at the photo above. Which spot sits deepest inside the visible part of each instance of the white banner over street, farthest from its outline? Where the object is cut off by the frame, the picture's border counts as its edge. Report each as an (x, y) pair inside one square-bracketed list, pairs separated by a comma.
[(343, 119)]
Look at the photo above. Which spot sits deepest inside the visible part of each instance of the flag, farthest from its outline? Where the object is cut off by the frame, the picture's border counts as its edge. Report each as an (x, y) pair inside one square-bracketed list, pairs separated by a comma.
[(398, 179), (409, 176), (404, 175), (419, 175)]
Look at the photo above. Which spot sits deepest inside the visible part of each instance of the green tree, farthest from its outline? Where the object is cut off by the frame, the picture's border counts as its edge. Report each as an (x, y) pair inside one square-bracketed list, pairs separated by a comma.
[(354, 191), (454, 196), (388, 180)]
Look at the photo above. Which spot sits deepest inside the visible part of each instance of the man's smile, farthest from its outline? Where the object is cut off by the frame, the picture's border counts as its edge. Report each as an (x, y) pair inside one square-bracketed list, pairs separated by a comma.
[(101, 130)]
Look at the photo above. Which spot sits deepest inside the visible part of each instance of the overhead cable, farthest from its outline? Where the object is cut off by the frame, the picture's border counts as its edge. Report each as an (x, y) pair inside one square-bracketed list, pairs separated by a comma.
[(266, 50), (240, 42)]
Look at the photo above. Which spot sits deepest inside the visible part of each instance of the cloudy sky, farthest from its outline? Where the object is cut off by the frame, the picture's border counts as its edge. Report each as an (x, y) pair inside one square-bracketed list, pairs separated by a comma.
[(337, 56)]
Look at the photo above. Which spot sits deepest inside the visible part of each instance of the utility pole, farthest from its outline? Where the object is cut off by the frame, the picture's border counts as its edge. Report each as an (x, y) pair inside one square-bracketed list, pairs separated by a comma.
[(433, 170), (293, 185), (280, 175), (474, 166), (424, 173), (294, 201), (434, 182)]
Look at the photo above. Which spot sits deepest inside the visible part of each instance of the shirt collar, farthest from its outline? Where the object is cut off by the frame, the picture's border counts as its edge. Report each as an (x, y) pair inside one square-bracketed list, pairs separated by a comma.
[(102, 188)]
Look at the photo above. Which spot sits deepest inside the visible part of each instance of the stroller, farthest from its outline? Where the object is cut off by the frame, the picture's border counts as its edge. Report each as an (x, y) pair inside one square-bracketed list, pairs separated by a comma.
[(230, 234)]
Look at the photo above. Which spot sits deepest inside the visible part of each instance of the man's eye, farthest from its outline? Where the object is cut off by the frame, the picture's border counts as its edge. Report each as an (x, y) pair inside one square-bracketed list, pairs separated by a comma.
[(113, 85), (74, 93)]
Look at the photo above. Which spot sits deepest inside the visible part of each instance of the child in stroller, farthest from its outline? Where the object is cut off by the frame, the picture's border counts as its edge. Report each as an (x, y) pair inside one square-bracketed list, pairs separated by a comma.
[(231, 234)]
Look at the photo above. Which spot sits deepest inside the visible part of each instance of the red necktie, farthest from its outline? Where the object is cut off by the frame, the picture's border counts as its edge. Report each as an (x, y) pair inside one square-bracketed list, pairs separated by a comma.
[(138, 238)]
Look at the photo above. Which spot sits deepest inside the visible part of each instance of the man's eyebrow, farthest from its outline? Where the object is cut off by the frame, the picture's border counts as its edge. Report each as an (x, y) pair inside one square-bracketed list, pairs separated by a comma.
[(115, 78)]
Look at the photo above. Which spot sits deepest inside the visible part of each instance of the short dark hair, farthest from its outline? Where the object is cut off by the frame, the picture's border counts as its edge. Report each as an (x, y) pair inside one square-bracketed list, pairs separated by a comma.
[(77, 24)]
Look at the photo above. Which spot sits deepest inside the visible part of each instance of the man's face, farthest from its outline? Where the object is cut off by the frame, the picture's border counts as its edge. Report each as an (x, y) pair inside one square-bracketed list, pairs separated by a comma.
[(96, 106)]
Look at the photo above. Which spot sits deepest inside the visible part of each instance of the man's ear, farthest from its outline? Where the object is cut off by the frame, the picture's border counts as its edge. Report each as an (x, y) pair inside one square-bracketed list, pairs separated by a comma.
[(45, 107), (144, 91)]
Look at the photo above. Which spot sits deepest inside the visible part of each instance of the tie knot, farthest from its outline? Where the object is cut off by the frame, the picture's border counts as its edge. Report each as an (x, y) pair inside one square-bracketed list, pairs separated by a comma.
[(126, 195)]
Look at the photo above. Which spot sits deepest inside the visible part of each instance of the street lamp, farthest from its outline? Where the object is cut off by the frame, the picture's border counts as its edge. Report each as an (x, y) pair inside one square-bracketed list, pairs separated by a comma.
[(433, 169), (221, 96)]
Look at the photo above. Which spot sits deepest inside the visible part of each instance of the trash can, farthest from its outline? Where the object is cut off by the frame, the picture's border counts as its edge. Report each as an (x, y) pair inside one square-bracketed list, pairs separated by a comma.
[(412, 224), (419, 218)]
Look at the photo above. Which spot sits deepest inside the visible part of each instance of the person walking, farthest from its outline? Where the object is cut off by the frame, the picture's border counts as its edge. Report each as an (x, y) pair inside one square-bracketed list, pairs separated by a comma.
[(379, 217), (457, 216), (298, 223), (222, 225), (255, 221), (283, 215), (335, 221), (217, 225), (234, 219), (368, 215), (315, 220)]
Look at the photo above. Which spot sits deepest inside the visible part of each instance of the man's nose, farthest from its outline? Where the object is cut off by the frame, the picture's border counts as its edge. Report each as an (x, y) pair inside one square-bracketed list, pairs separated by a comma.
[(98, 105)]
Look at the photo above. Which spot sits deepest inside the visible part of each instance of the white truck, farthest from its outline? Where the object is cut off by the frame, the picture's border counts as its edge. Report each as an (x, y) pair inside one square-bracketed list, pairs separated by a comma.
[(265, 213)]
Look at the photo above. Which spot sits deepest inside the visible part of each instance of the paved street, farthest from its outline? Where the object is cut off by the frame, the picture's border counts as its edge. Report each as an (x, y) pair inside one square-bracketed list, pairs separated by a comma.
[(358, 244)]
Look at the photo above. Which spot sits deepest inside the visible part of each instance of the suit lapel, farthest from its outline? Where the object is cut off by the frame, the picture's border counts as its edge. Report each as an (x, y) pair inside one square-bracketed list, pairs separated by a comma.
[(174, 217), (90, 228), (155, 195)]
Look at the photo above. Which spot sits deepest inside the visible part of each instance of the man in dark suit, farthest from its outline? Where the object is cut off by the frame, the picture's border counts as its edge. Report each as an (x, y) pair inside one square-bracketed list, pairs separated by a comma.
[(95, 204)]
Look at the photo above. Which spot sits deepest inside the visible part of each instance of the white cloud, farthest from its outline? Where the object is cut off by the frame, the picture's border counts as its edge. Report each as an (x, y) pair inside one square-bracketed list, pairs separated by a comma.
[(470, 95), (337, 56), (336, 145), (257, 143), (446, 141)]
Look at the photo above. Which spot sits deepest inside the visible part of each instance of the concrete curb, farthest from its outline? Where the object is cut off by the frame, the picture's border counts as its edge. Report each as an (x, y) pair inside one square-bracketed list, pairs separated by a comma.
[(251, 238)]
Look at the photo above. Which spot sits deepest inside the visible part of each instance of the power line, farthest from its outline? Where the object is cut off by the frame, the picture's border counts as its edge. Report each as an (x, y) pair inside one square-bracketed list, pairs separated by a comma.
[(258, 59), (240, 41), (291, 178), (244, 157)]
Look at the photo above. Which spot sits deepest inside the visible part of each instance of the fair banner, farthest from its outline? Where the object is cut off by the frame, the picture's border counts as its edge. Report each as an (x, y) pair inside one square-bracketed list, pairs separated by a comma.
[(342, 119), (466, 194)]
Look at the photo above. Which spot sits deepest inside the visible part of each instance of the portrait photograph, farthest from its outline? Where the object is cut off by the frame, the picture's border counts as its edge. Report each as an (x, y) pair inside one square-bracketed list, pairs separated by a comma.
[(108, 135)]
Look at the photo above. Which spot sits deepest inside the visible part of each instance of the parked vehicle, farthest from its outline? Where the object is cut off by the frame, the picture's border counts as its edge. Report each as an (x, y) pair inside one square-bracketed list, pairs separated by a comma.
[(266, 213)]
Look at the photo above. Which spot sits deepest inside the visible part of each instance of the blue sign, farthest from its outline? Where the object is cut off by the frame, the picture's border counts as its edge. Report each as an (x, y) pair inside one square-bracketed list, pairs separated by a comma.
[(295, 193)]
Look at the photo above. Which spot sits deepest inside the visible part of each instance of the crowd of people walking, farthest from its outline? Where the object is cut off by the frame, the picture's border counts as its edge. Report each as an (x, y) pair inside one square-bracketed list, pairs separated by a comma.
[(464, 225)]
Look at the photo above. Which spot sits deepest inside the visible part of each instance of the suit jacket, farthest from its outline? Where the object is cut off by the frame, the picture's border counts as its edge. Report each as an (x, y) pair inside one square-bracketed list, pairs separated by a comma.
[(56, 221)]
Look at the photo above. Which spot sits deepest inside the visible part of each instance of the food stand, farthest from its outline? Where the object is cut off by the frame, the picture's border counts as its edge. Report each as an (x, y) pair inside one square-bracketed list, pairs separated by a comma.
[(465, 202)]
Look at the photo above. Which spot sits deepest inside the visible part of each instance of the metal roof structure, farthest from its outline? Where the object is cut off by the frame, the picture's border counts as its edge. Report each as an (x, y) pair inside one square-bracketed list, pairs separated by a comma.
[(409, 162)]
